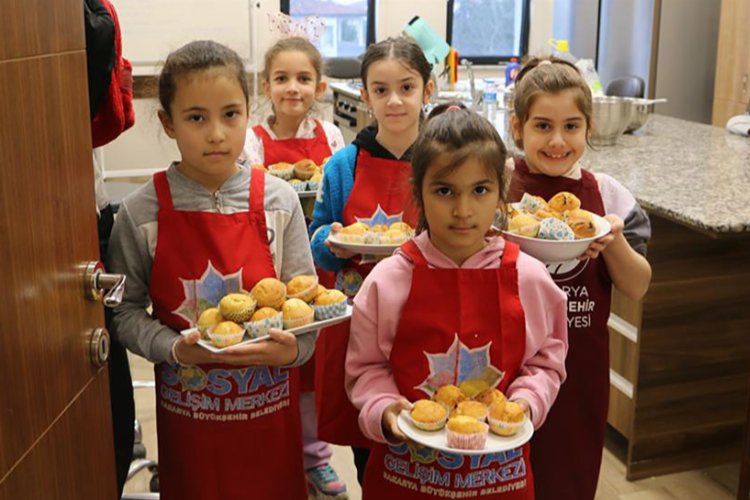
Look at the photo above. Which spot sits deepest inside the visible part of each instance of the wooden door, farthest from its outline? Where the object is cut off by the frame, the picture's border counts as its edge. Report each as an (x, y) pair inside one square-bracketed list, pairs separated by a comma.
[(55, 422), (732, 84)]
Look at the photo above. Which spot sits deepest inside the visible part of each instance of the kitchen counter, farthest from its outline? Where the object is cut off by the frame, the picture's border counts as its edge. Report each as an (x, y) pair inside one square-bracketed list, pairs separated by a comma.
[(691, 173), (680, 357)]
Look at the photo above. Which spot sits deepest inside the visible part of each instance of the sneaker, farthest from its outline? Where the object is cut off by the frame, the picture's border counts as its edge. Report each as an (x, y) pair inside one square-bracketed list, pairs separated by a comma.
[(325, 481)]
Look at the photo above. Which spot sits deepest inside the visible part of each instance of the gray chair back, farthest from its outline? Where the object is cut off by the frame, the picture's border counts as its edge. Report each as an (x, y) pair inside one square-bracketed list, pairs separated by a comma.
[(344, 68), (626, 86)]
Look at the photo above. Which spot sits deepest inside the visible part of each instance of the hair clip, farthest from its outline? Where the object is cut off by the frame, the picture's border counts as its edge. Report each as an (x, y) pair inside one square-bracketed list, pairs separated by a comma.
[(453, 107), (283, 26), (546, 61)]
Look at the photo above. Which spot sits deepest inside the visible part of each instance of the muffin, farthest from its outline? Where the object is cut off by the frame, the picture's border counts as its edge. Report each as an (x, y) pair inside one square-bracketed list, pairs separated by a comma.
[(524, 224), (304, 287), (282, 170), (269, 292), (506, 418), (237, 307), (563, 201), (530, 203), (298, 185), (490, 396), (473, 409), (472, 387), (581, 222), (262, 321), (313, 183), (208, 319), (449, 396), (296, 313), (226, 333), (395, 236), (379, 228), (402, 226), (304, 169), (428, 415), (354, 233), (329, 304), (319, 290), (466, 433)]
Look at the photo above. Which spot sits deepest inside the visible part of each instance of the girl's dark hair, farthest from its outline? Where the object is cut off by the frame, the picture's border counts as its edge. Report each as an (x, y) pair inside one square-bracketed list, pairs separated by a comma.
[(549, 75), (298, 44), (200, 55), (401, 48), (453, 130)]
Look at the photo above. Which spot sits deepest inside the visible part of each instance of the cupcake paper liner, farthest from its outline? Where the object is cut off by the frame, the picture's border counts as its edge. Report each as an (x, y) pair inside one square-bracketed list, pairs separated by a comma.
[(555, 229), (313, 185), (329, 311), (225, 339), (502, 428), (461, 441), (260, 328), (299, 187), (294, 323), (285, 174), (239, 316)]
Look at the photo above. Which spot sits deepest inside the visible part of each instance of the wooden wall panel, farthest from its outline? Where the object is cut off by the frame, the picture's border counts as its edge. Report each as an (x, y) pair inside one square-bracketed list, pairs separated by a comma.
[(40, 27)]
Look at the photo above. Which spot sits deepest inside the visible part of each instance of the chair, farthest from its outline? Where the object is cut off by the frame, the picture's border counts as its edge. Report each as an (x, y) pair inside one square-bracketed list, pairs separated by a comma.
[(626, 86), (344, 68)]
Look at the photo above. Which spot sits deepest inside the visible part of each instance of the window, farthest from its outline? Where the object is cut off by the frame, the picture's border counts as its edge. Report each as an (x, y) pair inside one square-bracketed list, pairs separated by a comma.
[(488, 31), (350, 24)]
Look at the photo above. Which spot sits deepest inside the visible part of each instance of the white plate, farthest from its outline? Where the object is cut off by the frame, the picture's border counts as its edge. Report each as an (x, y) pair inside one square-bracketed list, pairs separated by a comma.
[(552, 251), (315, 325), (439, 440), (364, 249)]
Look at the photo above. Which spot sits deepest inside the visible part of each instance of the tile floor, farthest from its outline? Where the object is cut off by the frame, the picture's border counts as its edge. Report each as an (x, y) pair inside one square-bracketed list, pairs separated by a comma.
[(718, 483)]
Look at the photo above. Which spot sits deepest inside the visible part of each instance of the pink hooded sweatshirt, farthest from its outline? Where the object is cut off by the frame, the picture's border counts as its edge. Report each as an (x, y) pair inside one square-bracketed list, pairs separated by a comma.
[(377, 313)]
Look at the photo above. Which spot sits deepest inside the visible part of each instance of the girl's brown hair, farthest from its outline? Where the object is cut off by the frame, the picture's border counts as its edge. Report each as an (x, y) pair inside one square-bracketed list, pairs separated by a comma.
[(200, 55), (548, 75), (403, 49), (453, 130), (293, 44)]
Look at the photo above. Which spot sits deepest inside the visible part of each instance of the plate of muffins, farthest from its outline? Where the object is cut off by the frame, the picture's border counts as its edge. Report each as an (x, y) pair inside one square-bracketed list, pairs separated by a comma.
[(554, 230), (454, 422), (302, 305), (378, 239), (304, 176)]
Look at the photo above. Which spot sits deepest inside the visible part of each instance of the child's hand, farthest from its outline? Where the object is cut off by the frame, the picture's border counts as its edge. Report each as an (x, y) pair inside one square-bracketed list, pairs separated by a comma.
[(187, 352), (390, 418), (280, 350), (598, 246), (336, 250), (525, 405)]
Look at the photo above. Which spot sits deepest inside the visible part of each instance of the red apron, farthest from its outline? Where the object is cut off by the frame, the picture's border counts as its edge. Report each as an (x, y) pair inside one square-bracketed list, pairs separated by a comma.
[(457, 325), (584, 397), (292, 151), (381, 194), (224, 431)]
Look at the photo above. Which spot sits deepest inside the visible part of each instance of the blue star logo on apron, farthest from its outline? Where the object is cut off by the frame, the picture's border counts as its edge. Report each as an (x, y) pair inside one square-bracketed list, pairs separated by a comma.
[(460, 364), (380, 217), (206, 291)]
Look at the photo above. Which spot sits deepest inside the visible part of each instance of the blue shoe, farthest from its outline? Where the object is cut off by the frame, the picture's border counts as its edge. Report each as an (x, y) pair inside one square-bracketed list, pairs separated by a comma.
[(326, 482)]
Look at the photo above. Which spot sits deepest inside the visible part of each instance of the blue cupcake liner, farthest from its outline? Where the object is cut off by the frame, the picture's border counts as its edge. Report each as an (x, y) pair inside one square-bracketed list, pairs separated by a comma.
[(300, 187), (257, 329), (330, 311)]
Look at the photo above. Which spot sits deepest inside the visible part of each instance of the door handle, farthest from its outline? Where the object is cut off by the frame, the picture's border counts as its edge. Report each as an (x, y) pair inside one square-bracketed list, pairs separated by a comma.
[(99, 346), (98, 285)]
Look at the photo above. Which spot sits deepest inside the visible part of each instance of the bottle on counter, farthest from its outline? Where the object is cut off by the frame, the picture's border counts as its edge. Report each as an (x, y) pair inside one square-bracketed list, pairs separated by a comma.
[(511, 71), (562, 50), (490, 99)]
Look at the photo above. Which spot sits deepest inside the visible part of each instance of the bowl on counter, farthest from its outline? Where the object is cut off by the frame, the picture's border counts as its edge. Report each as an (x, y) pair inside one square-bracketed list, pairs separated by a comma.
[(610, 117), (641, 109)]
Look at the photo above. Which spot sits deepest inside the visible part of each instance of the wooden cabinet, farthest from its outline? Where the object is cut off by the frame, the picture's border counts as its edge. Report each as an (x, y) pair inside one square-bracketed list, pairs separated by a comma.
[(680, 357), (732, 84)]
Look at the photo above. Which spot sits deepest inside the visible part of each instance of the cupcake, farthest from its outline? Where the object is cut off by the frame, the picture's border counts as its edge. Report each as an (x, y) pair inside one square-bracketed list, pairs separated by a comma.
[(379, 228), (373, 238), (304, 287), (506, 418), (354, 233), (313, 183), (226, 333), (297, 313), (282, 170), (563, 201), (428, 415), (237, 307), (298, 185), (530, 203), (524, 224), (402, 226), (473, 409), (472, 387), (449, 396), (466, 433), (262, 321), (329, 304), (490, 396), (581, 222), (208, 319), (319, 290), (395, 236), (269, 292), (304, 169)]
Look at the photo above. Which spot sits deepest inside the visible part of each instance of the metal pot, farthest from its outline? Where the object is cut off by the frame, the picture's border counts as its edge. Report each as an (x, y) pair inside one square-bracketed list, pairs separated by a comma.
[(640, 111), (610, 117)]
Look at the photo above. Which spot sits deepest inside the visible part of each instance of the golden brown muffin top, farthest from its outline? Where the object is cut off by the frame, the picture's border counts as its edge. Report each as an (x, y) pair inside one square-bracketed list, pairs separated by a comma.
[(466, 425), (428, 411), (226, 328), (296, 308), (329, 297), (264, 313), (449, 395)]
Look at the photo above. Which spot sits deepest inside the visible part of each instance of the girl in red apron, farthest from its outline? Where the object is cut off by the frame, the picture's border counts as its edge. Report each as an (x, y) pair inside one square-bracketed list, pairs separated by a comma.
[(453, 305), (292, 80), (551, 122), (227, 423), (368, 181)]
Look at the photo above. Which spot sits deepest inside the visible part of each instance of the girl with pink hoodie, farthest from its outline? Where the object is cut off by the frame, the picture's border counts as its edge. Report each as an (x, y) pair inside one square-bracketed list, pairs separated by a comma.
[(454, 305)]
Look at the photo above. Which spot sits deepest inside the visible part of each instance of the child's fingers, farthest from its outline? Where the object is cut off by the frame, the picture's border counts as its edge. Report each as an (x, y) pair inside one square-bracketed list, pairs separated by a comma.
[(282, 337), (336, 227)]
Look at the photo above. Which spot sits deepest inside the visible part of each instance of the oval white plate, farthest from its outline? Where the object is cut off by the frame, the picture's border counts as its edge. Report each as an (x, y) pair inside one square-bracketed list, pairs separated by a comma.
[(315, 325), (439, 439), (361, 248)]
